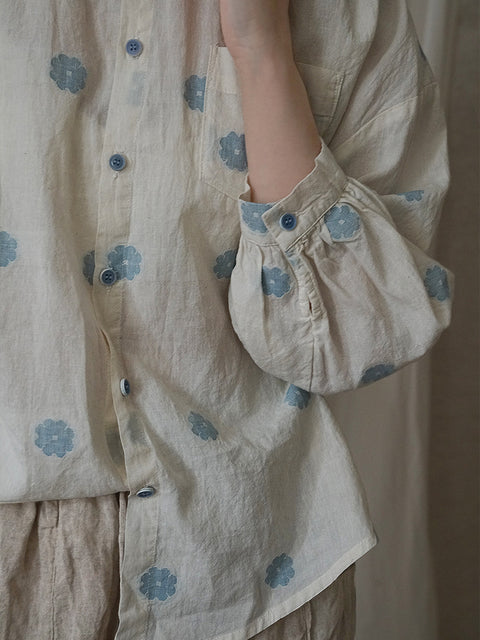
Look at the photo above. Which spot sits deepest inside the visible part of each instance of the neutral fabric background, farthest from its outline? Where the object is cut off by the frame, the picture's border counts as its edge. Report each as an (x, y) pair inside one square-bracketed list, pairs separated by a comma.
[(415, 435), (454, 438)]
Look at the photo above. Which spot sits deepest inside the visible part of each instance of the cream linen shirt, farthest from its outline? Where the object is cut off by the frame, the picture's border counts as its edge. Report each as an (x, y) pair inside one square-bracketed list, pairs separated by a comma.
[(162, 335)]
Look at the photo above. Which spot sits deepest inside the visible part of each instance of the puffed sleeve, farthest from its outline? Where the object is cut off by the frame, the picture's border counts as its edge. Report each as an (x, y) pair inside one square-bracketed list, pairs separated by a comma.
[(333, 286)]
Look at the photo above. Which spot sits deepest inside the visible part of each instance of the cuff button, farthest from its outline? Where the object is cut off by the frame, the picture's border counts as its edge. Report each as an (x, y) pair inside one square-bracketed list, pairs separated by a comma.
[(288, 221)]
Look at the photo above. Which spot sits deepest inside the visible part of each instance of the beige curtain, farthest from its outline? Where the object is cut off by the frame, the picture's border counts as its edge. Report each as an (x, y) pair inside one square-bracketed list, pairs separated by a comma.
[(414, 435)]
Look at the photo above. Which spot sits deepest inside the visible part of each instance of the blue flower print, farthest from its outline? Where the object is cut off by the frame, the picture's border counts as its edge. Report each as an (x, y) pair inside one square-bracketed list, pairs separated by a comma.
[(225, 263), (202, 427), (275, 281), (280, 571), (54, 438), (194, 92), (411, 196), (436, 283), (342, 222), (68, 73), (8, 246), (158, 583), (379, 371), (297, 397), (252, 215), (233, 151), (89, 266), (125, 261)]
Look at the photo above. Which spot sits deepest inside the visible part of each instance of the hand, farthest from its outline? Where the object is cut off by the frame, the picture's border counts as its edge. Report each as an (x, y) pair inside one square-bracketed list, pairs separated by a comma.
[(252, 28)]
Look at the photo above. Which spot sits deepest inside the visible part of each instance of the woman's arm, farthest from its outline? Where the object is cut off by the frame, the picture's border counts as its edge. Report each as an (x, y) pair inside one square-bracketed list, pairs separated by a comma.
[(332, 288), (281, 138)]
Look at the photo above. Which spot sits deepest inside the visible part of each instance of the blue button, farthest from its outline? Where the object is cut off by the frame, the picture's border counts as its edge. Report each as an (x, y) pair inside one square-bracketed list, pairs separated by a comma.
[(117, 162), (108, 276), (288, 221), (124, 387), (134, 47), (145, 492)]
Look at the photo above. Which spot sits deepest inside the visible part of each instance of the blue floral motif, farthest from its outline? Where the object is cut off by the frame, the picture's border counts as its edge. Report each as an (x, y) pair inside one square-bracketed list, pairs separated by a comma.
[(125, 261), (280, 571), (436, 283), (410, 196), (297, 397), (379, 371), (89, 265), (158, 583), (252, 215), (233, 151), (342, 222), (275, 281), (68, 73), (225, 263), (54, 437), (202, 427), (8, 246), (194, 92)]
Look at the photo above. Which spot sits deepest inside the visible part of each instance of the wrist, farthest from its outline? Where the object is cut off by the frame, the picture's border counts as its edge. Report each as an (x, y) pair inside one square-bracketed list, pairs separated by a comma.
[(254, 58), (269, 69)]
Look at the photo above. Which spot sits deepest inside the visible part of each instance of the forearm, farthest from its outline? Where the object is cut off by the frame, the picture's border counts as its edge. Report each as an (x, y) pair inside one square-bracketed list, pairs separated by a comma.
[(281, 138)]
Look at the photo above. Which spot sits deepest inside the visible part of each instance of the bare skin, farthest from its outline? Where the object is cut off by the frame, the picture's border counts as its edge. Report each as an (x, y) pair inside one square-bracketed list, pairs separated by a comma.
[(281, 137), (252, 28)]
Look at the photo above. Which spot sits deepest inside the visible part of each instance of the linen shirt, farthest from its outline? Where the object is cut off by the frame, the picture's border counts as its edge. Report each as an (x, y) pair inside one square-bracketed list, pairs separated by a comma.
[(163, 335)]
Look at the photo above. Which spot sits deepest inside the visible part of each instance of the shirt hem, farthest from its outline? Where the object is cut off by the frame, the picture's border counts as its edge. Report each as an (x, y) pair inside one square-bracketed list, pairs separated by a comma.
[(303, 596)]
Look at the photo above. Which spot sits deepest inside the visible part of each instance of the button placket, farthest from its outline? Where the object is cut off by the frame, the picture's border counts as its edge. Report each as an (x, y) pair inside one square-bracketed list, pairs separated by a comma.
[(114, 220)]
